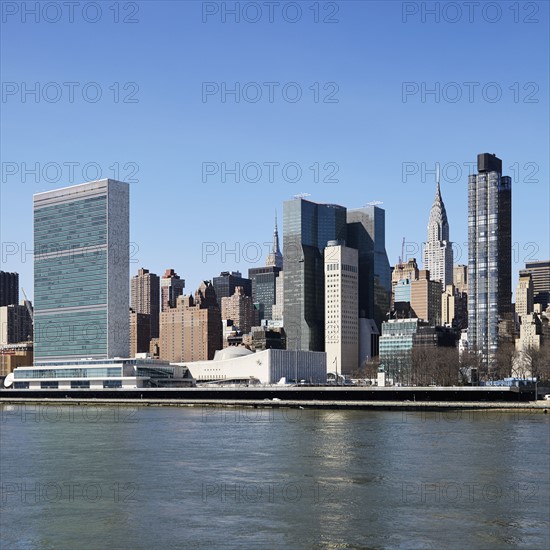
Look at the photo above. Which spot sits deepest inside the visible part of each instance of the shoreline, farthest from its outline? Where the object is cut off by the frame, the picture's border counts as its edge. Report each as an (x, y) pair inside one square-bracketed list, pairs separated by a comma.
[(527, 406)]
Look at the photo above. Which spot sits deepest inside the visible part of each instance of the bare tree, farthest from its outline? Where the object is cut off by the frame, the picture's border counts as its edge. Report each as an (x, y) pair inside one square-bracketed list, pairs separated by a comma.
[(367, 369), (538, 361), (503, 362)]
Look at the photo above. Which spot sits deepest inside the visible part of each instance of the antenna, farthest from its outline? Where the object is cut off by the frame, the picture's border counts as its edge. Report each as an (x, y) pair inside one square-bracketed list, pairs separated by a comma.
[(301, 196), (401, 258)]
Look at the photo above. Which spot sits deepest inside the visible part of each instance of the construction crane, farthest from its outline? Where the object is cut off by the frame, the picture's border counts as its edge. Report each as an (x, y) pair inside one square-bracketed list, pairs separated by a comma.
[(301, 195), (28, 305), (374, 203)]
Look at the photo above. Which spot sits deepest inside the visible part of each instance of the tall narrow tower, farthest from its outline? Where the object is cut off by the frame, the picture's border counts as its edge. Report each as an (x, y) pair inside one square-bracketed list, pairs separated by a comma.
[(81, 271), (275, 258), (145, 297), (489, 254), (438, 251), (308, 227)]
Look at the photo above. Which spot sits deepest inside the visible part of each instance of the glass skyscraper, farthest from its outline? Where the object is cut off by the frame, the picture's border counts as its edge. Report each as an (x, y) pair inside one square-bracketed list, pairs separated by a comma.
[(489, 254), (81, 271), (307, 228), (366, 231)]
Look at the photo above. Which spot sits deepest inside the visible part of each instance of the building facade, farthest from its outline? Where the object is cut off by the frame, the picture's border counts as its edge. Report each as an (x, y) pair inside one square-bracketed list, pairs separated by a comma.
[(240, 365), (403, 271), (81, 271), (15, 355), (341, 307), (145, 298), (171, 286), (192, 331), (264, 289), (366, 231), (524, 294), (489, 254), (9, 288), (454, 308), (426, 298), (240, 309), (460, 278), (140, 332), (540, 273), (226, 283), (308, 227), (15, 324)]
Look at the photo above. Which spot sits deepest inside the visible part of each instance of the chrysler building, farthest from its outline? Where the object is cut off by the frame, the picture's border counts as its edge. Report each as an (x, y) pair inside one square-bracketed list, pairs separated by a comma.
[(438, 251)]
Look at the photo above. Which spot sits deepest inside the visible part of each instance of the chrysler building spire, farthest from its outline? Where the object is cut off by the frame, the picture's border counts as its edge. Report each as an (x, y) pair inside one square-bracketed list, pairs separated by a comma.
[(275, 258), (438, 252)]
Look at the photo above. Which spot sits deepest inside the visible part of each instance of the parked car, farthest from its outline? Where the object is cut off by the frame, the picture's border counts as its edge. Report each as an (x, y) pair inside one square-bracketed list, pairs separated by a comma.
[(547, 397)]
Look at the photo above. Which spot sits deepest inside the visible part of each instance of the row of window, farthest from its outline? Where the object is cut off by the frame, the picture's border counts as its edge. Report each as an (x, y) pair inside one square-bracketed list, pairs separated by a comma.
[(75, 384), (68, 373)]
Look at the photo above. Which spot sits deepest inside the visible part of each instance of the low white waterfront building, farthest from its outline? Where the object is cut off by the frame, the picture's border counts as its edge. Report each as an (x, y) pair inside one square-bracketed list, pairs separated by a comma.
[(239, 364), (100, 373)]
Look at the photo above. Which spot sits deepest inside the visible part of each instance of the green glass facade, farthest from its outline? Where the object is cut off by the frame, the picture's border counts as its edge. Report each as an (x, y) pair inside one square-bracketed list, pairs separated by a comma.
[(78, 265)]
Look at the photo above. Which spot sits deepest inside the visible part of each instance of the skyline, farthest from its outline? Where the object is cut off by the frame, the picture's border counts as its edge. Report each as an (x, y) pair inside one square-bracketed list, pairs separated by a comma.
[(249, 251), (383, 139)]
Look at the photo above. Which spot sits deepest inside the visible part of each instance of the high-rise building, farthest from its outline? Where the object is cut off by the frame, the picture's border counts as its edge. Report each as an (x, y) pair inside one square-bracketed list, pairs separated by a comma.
[(140, 332), (403, 271), (489, 254), (275, 258), (426, 298), (454, 311), (9, 288), (264, 288), (15, 324), (145, 298), (240, 309), (81, 271), (171, 286), (366, 232), (308, 227), (226, 283), (192, 331), (277, 310), (438, 251), (341, 307), (524, 294), (460, 278), (540, 274)]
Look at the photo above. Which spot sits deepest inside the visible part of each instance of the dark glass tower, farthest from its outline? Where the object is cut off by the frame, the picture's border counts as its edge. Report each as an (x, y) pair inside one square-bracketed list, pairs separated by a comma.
[(307, 229), (366, 229), (227, 282), (489, 254), (9, 288)]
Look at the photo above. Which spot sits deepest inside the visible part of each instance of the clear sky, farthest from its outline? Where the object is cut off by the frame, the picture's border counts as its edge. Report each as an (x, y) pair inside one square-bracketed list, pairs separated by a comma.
[(364, 117)]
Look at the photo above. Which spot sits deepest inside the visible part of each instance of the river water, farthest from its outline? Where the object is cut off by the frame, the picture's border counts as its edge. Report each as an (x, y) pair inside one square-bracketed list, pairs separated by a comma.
[(131, 478)]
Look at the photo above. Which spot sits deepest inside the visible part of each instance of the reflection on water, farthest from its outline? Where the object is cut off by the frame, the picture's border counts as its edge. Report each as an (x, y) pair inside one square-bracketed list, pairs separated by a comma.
[(89, 478)]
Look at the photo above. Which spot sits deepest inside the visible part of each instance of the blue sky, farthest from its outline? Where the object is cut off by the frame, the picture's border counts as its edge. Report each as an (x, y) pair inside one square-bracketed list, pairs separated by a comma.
[(154, 123)]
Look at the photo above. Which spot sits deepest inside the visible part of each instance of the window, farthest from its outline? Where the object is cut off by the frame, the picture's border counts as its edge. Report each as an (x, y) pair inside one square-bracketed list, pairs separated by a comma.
[(75, 384)]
